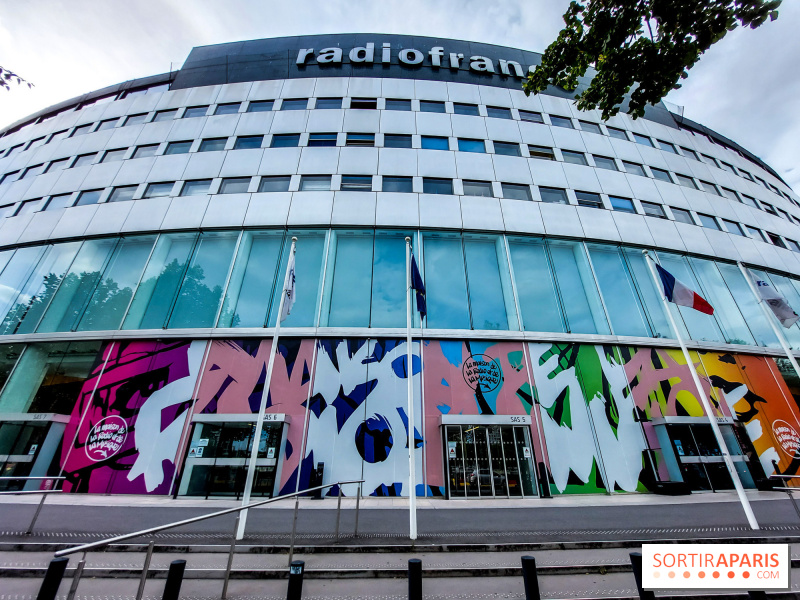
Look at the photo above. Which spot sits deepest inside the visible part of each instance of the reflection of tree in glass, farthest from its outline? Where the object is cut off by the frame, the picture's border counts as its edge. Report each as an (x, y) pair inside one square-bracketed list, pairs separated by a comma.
[(31, 308), (196, 305)]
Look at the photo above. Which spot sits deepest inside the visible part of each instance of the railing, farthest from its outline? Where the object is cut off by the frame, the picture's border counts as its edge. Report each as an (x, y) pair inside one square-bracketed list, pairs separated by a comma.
[(44, 494), (84, 548), (788, 490)]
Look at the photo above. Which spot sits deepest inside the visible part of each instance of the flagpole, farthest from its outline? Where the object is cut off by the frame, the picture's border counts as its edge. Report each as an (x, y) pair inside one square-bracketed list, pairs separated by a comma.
[(412, 487), (748, 511), (772, 318), (251, 465)]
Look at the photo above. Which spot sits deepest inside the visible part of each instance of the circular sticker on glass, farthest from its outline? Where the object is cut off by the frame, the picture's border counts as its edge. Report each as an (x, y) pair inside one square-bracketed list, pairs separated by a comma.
[(106, 438), (484, 371), (787, 437)]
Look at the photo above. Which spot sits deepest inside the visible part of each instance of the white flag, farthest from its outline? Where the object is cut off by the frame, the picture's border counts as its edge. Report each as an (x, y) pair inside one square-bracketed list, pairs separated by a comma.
[(776, 302), (288, 302)]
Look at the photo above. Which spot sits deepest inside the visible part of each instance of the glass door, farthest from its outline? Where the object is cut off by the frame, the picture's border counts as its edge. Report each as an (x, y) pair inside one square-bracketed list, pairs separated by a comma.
[(700, 457)]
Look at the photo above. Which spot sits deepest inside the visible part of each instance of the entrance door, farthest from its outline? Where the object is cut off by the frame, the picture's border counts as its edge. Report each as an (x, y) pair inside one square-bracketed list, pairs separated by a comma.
[(488, 461), (700, 457)]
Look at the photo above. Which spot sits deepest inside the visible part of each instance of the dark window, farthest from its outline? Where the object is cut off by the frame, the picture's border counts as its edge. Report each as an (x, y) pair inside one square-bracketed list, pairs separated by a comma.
[(461, 108), (653, 210), (733, 227), (88, 197), (322, 139), (84, 159), (360, 139), (433, 185), (394, 140), (591, 127), (467, 145), (776, 240), (553, 195), (617, 133), (157, 190), (164, 115), (356, 183), (756, 233), (195, 111), (730, 194), (248, 142), (234, 185), (29, 206), (59, 201), (122, 193), (710, 187), (396, 104), (212, 144), (107, 124), (57, 165), (642, 139), (431, 106), (315, 183), (196, 187), (328, 103), (622, 204), (230, 108), (661, 174), (576, 158), (33, 171), (769, 208), (516, 191), (530, 116), (397, 184), (667, 146), (364, 103), (589, 199), (605, 162), (276, 183), (145, 151), (80, 130), (114, 155), (542, 152), (561, 122), (9, 177), (260, 106), (135, 119), (690, 153), (682, 216), (178, 147), (285, 140), (294, 104), (686, 181), (478, 188), (507, 148), (498, 112), (708, 221), (431, 142)]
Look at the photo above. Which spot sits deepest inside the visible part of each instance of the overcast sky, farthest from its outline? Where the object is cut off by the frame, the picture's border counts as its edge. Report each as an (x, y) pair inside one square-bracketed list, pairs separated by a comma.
[(746, 87)]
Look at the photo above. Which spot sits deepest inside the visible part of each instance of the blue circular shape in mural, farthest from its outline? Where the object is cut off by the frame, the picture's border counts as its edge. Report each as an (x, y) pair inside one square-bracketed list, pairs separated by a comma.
[(374, 439)]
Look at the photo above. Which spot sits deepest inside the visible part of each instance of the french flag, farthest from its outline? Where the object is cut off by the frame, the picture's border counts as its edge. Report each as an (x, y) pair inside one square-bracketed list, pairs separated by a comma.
[(677, 292)]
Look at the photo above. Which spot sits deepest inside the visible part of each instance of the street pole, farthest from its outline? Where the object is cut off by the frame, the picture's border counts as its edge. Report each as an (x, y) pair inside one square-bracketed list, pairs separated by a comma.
[(412, 491), (251, 465), (748, 511)]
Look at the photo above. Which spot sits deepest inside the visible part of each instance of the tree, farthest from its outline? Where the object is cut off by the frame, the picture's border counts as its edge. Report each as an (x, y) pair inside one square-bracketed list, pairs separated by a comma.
[(7, 76), (642, 45)]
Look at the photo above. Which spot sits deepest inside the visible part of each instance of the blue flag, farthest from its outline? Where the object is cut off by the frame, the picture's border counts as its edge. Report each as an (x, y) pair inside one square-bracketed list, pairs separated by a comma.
[(418, 287)]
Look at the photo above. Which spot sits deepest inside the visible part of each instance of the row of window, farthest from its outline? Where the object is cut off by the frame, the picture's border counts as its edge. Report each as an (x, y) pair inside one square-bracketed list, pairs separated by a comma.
[(392, 104), (232, 279)]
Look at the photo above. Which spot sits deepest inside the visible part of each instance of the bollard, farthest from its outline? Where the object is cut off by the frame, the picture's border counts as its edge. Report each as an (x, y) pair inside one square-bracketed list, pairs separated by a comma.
[(52, 579), (174, 579), (414, 579), (636, 562), (295, 589), (530, 578)]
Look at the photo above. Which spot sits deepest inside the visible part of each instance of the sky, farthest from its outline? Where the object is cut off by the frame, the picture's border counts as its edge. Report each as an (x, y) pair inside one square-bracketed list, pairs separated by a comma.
[(745, 87)]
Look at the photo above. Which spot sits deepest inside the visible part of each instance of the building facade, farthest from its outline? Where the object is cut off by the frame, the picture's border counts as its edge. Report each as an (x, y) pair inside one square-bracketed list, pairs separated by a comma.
[(144, 236)]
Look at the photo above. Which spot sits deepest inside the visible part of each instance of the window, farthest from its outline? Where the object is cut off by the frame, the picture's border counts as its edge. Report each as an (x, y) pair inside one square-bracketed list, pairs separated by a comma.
[(431, 106), (710, 160), (750, 201), (709, 187), (542, 152), (793, 246), (478, 188), (294, 104), (561, 122), (466, 145), (726, 167), (145, 151), (195, 111), (690, 153), (360, 139), (212, 144), (733, 227), (106, 124), (682, 216), (114, 155), (661, 174), (756, 233), (667, 146), (230, 108), (248, 142), (617, 133), (433, 185), (356, 183), (431, 142), (234, 185), (708, 221), (328, 103), (33, 171), (122, 193), (589, 199), (622, 204), (165, 115), (57, 165), (461, 108), (653, 210), (9, 177), (769, 208), (260, 106), (5, 210), (605, 162), (746, 175), (397, 184), (591, 127), (730, 194), (507, 148), (575, 158), (316, 140), (59, 135), (84, 159), (530, 116), (498, 112), (315, 183), (364, 103), (393, 140), (276, 183), (135, 119), (196, 187), (285, 140), (178, 147), (88, 197), (80, 130), (40, 142), (59, 201), (516, 191), (553, 195), (15, 149), (642, 139), (29, 206), (776, 240), (157, 190), (396, 104)]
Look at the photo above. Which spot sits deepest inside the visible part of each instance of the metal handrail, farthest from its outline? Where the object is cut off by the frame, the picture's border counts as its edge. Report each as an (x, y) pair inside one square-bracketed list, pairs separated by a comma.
[(237, 509), (44, 494)]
